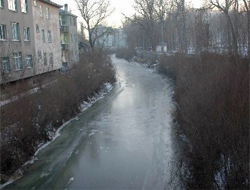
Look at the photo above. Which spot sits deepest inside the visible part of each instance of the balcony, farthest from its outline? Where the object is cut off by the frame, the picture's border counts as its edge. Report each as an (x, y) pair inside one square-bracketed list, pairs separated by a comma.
[(64, 29), (65, 47)]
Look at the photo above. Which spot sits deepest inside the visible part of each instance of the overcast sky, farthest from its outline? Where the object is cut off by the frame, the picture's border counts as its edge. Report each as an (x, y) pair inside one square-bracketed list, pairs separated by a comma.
[(121, 6)]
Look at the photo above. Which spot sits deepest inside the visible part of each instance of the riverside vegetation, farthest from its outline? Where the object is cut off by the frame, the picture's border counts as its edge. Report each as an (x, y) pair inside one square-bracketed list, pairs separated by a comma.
[(212, 114), (31, 121)]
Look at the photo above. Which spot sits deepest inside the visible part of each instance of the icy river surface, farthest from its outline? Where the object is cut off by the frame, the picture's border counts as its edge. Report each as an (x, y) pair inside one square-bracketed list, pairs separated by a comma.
[(124, 141)]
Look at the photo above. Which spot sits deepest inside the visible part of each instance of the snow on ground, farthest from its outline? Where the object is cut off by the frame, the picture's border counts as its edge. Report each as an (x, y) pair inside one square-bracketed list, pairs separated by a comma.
[(85, 105)]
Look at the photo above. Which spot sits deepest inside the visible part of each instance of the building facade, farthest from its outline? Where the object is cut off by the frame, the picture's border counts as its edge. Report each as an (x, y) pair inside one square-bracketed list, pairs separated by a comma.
[(16, 40), (47, 36), (29, 38), (69, 37)]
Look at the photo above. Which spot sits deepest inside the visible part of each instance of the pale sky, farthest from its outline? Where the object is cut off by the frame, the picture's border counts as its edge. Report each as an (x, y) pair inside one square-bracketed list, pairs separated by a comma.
[(121, 6)]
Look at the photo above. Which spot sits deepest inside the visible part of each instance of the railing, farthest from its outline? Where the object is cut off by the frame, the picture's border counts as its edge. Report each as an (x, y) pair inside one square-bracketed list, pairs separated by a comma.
[(65, 47), (64, 29)]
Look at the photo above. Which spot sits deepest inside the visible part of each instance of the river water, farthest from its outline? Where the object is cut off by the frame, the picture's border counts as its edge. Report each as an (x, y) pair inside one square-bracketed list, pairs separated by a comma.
[(124, 141)]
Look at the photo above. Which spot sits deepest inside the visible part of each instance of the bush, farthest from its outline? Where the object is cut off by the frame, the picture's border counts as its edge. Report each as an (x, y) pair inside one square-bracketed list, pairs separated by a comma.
[(212, 96), (125, 53), (29, 122)]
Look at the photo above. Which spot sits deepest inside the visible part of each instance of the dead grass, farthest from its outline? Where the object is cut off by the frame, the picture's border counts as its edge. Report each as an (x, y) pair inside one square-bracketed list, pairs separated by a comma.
[(212, 94)]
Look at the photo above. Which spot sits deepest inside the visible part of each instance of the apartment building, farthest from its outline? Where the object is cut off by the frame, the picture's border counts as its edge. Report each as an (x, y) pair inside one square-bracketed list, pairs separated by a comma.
[(29, 38), (16, 40), (46, 36), (69, 37)]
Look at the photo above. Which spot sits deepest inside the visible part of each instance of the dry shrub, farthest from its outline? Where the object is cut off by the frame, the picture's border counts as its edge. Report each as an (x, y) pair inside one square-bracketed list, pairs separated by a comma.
[(212, 96), (30, 121), (125, 53)]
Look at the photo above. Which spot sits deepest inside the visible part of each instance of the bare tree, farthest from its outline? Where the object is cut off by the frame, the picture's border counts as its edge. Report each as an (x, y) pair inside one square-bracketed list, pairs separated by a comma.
[(162, 9), (225, 7), (146, 18), (181, 24), (94, 13), (247, 9)]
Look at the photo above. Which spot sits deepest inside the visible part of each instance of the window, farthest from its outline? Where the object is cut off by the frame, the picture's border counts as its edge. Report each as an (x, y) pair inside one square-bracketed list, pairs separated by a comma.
[(18, 60), (12, 5), (1, 3), (39, 54), (2, 32), (15, 31), (43, 36), (49, 36), (29, 63), (71, 37), (24, 6), (26, 33), (74, 22), (47, 13), (64, 38), (41, 11), (75, 38), (5, 64), (35, 3), (50, 58), (45, 58), (37, 28)]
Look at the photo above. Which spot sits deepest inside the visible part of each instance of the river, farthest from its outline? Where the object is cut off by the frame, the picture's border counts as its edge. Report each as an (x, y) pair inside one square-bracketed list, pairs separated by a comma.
[(124, 141)]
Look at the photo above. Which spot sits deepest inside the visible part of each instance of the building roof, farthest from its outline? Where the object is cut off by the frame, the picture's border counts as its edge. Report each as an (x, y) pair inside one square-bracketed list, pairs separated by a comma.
[(52, 3), (63, 12)]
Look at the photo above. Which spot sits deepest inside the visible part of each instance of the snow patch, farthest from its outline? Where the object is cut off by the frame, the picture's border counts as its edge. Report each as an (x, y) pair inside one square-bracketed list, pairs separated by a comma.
[(6, 184), (44, 174), (71, 180), (93, 132), (31, 161), (106, 89)]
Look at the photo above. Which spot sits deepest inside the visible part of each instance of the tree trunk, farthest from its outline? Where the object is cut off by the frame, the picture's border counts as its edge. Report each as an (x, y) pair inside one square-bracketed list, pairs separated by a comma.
[(235, 43)]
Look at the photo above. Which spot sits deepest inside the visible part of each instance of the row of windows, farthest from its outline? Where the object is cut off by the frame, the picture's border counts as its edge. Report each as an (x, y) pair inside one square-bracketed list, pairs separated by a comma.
[(45, 60), (17, 60), (15, 33), (12, 5), (43, 34), (47, 12), (64, 23)]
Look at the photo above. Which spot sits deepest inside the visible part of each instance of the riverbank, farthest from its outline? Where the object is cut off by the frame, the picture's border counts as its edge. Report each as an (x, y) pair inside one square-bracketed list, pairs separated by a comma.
[(212, 117), (32, 121)]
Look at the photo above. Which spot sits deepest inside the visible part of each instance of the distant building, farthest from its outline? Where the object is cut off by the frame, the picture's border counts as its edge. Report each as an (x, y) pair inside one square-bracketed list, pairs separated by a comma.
[(69, 37), (105, 37), (162, 48), (120, 38), (112, 39), (29, 38), (47, 36)]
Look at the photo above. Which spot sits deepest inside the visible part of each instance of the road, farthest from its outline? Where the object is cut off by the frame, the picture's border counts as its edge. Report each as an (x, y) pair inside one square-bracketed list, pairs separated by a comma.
[(124, 141)]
